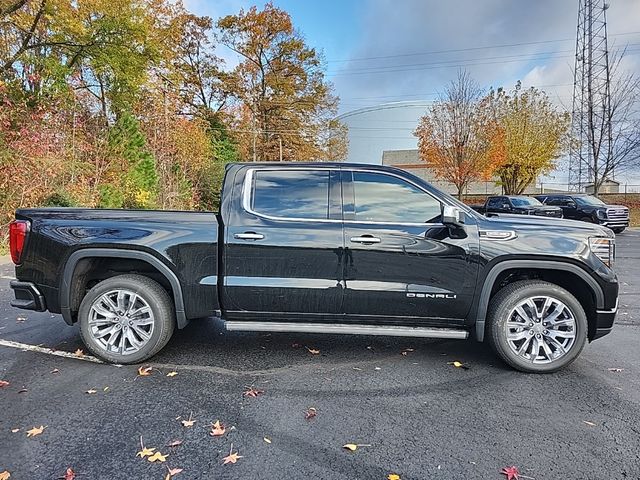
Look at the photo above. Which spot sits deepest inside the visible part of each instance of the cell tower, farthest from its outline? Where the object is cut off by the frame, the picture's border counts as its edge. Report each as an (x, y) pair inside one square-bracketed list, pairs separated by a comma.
[(590, 122)]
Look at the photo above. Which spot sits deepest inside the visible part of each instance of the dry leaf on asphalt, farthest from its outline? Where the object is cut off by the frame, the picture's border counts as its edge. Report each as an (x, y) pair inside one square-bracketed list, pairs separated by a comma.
[(512, 472), (217, 429), (69, 474), (35, 431), (79, 352), (4, 383), (393, 476), (172, 472), (175, 443), (188, 423), (591, 424), (310, 413), (144, 452), (266, 439), (172, 374), (91, 391), (232, 457), (5, 475), (252, 392), (157, 457), (55, 370), (15, 430), (617, 370), (459, 365), (144, 371), (354, 446), (313, 351)]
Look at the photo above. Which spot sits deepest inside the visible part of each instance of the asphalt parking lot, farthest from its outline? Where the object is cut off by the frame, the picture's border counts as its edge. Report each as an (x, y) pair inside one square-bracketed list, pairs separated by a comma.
[(414, 414)]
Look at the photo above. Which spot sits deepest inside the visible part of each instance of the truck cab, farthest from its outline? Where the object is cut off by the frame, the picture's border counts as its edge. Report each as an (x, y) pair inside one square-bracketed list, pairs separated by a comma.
[(588, 208)]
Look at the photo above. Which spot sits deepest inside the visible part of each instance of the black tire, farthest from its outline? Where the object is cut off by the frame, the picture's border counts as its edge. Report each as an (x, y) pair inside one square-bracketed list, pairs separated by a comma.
[(158, 301), (506, 300), (586, 219), (618, 229)]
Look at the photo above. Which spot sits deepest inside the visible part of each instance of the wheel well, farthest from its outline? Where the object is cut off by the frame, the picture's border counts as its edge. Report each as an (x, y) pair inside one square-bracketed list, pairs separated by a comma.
[(567, 280), (90, 271)]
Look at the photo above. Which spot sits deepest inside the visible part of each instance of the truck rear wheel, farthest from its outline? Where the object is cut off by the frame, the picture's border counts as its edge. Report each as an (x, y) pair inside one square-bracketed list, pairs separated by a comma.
[(536, 326), (126, 319)]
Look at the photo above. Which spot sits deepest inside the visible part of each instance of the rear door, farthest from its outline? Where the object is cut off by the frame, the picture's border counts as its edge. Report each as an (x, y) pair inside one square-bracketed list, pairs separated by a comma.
[(283, 244), (400, 260)]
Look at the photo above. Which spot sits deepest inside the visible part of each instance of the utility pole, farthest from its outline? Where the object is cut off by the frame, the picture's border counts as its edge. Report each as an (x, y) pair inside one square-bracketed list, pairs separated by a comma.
[(591, 113)]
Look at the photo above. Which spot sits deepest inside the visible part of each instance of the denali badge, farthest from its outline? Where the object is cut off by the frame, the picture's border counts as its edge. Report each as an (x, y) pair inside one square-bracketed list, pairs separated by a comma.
[(444, 296)]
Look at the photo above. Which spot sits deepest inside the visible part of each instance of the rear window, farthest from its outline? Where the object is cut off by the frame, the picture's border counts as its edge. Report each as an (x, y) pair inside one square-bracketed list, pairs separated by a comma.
[(302, 194)]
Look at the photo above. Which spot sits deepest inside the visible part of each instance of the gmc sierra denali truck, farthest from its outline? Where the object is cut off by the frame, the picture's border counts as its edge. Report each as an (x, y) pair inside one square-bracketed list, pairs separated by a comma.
[(587, 208), (321, 248), (517, 204)]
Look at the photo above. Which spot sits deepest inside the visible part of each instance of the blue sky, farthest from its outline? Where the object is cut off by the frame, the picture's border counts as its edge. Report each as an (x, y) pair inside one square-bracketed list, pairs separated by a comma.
[(388, 51)]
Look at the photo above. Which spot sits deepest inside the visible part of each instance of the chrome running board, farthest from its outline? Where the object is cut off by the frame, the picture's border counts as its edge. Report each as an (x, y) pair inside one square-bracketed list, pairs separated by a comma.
[(388, 330)]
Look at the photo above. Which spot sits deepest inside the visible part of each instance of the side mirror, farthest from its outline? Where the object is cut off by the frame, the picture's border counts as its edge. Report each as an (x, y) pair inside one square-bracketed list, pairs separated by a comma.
[(452, 216), (571, 204), (506, 206)]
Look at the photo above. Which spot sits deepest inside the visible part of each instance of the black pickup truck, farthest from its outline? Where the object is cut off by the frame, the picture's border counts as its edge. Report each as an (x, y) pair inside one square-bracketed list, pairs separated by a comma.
[(587, 208), (518, 205), (320, 248)]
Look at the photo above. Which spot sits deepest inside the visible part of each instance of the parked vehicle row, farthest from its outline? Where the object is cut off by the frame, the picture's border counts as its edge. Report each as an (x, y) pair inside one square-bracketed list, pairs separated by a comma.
[(583, 207), (321, 248)]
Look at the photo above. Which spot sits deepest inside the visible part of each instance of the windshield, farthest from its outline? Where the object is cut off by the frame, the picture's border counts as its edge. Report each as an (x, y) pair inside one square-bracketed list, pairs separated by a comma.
[(588, 200), (525, 202)]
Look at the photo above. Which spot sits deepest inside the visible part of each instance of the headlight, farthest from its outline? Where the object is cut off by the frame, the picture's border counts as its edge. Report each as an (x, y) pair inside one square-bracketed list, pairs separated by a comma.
[(601, 213), (604, 249)]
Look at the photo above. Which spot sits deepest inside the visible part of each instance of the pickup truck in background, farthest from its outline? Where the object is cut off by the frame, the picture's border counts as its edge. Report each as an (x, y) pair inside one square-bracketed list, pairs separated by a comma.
[(320, 248), (518, 205), (587, 208)]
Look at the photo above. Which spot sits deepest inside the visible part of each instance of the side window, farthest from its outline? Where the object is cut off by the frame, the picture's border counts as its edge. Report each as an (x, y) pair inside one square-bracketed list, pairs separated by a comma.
[(495, 202), (553, 201), (389, 199), (300, 194)]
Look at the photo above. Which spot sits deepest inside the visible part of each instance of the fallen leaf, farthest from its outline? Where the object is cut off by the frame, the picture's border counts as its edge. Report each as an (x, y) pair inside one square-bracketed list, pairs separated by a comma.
[(15, 430), (157, 457), (313, 351), (377, 368), (144, 371), (188, 423), (22, 390), (35, 431), (69, 474), (252, 392), (145, 452), (79, 352), (172, 472), (4, 383), (459, 365), (172, 374), (403, 353), (617, 370), (217, 429), (20, 319), (512, 472), (175, 443), (393, 476), (55, 370), (91, 391), (354, 446), (591, 424), (5, 475), (232, 457), (105, 389), (310, 413), (266, 439)]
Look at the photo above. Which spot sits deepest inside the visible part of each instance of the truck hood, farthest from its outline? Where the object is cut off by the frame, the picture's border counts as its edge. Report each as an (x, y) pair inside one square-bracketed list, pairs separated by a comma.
[(531, 222)]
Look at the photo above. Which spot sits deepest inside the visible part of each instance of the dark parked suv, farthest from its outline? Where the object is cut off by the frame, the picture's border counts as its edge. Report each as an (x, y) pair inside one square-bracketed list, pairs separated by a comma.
[(589, 209)]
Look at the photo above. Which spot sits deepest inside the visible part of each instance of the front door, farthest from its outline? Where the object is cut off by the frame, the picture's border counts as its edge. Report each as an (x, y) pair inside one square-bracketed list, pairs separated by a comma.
[(400, 260), (283, 244)]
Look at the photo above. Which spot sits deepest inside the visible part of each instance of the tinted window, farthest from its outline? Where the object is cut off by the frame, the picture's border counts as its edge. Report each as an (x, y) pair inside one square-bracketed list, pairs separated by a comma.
[(496, 202), (589, 200), (555, 201), (524, 201), (291, 193), (385, 198)]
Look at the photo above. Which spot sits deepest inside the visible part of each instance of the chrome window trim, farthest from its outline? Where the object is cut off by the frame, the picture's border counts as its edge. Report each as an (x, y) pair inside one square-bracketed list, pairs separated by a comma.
[(248, 184)]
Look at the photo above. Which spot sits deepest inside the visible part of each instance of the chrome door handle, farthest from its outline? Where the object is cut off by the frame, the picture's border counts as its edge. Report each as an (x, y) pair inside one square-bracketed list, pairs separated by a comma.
[(248, 236), (365, 239)]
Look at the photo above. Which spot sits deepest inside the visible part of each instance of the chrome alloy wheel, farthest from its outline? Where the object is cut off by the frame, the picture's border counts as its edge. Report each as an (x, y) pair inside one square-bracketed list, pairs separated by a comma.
[(121, 321), (541, 329)]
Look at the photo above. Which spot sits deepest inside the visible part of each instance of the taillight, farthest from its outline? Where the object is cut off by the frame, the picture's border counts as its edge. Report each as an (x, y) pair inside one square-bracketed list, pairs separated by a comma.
[(18, 230)]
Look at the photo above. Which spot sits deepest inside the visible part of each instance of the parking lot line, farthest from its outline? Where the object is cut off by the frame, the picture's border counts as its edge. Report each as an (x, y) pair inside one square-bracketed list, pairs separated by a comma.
[(49, 351)]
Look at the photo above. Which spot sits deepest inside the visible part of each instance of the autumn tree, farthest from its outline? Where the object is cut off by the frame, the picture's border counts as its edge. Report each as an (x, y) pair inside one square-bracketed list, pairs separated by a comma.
[(285, 108), (531, 135), (454, 135)]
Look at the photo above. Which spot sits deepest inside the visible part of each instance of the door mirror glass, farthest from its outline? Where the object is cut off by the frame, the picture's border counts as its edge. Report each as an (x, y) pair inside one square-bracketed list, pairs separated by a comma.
[(505, 206), (571, 204), (452, 216)]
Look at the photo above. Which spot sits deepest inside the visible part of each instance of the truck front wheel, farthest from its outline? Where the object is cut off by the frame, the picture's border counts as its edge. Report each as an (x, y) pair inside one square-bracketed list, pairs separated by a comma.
[(126, 319), (536, 326)]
